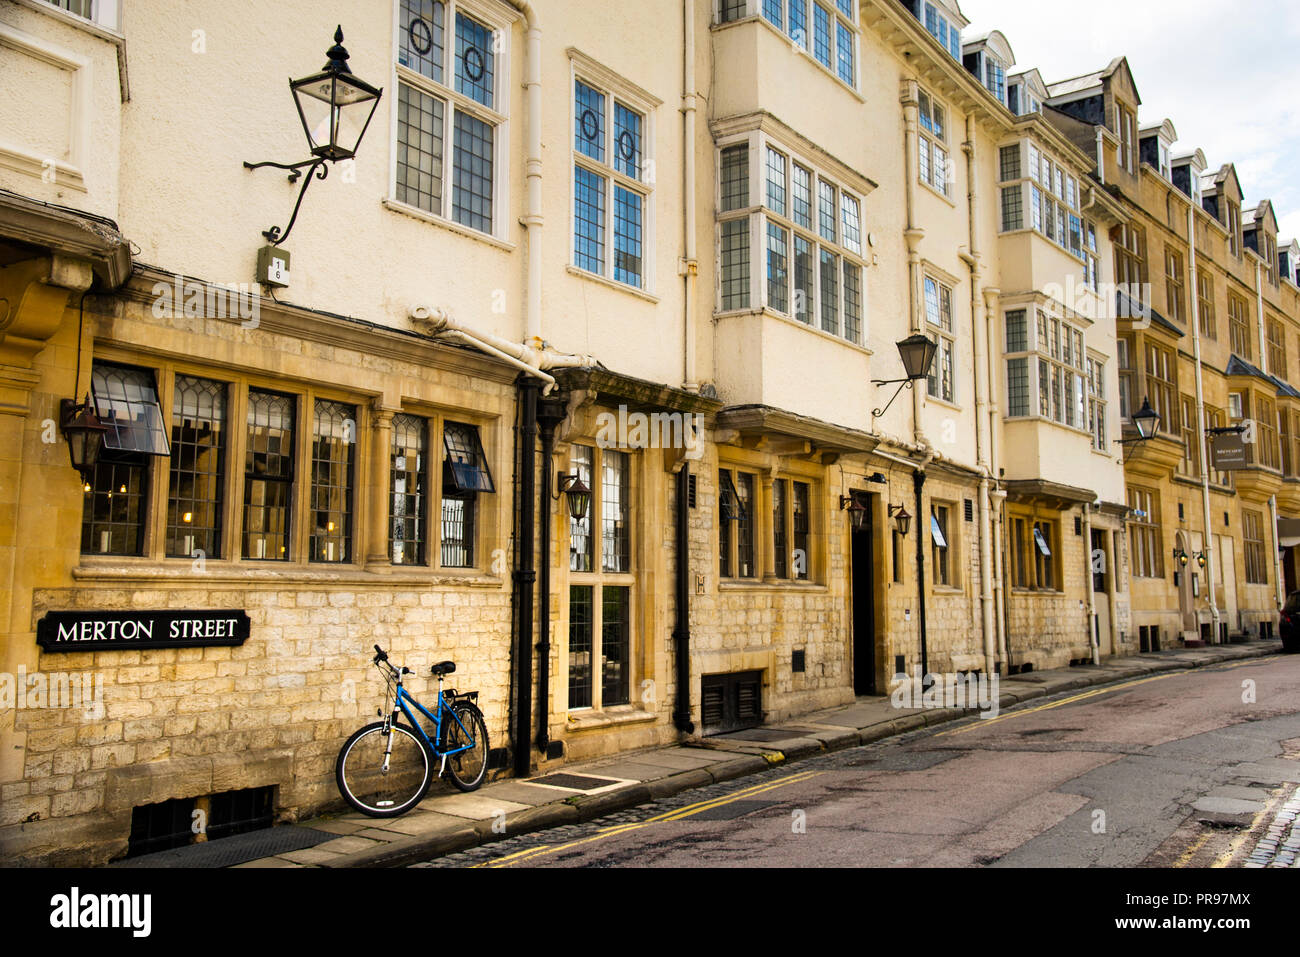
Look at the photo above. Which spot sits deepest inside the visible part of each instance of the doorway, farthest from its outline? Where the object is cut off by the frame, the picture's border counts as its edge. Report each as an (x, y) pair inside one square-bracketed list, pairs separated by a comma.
[(1186, 599), (1101, 595), (863, 583)]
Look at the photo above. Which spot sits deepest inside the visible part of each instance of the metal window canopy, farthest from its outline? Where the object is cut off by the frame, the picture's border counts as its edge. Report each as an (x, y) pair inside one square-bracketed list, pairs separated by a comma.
[(465, 468), (936, 533), (733, 509), (126, 403)]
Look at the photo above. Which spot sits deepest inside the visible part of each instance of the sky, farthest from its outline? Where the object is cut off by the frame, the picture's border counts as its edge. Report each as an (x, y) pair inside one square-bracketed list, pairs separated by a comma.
[(1226, 72)]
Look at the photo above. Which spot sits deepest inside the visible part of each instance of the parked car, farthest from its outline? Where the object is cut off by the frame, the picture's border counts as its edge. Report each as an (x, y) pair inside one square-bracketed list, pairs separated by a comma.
[(1290, 625)]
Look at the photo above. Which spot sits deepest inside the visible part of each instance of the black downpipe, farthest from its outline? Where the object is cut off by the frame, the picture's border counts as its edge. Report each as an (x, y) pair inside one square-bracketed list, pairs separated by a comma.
[(922, 526), (549, 416), (525, 575), (682, 632)]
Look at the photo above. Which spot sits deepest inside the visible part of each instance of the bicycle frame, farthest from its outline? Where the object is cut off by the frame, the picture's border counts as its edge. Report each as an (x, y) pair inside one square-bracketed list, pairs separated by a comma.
[(403, 701)]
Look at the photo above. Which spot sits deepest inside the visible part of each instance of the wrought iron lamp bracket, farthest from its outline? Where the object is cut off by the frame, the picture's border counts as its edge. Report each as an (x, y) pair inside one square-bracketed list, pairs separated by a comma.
[(317, 166)]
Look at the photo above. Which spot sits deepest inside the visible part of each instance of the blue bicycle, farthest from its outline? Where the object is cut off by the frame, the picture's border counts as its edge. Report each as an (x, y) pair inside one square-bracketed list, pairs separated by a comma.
[(386, 768)]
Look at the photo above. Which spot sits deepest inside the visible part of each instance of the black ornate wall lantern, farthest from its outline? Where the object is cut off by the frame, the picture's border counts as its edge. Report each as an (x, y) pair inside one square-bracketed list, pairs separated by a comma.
[(901, 518), (857, 511), (1146, 420), (84, 433), (917, 353), (575, 492), (335, 109)]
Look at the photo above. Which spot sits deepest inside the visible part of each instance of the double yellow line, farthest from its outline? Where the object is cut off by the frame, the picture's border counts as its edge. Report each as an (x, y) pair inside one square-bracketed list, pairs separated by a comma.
[(677, 814)]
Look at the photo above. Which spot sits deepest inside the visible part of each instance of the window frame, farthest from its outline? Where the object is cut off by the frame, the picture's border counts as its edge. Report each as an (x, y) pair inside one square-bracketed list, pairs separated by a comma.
[(616, 91), (105, 14), (158, 503), (1239, 326), (599, 579), (1028, 569), (946, 334), (1146, 535), (1205, 311), (1175, 285), (799, 498), (1253, 550), (497, 116), (1275, 342), (931, 141), (945, 569), (1054, 344), (756, 210)]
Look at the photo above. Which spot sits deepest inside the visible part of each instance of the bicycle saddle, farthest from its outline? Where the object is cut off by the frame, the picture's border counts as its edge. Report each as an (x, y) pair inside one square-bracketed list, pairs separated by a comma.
[(444, 668)]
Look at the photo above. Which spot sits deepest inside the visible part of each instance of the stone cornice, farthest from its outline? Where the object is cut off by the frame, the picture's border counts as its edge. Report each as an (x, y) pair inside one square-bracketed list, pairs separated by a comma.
[(68, 232), (345, 332)]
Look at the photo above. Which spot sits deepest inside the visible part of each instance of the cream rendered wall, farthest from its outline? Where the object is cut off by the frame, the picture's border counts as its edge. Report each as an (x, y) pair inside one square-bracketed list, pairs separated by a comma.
[(62, 104), (192, 207)]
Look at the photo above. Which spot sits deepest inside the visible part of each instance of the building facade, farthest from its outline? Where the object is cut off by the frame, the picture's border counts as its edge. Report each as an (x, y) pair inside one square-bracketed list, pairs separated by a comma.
[(561, 256)]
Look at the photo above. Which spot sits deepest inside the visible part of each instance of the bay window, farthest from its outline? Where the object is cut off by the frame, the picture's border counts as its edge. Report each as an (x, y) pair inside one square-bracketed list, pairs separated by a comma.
[(803, 228), (1053, 377), (1040, 194), (827, 30)]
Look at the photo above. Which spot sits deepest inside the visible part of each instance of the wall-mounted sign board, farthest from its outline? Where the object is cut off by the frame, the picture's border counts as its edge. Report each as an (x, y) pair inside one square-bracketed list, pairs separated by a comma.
[(62, 631)]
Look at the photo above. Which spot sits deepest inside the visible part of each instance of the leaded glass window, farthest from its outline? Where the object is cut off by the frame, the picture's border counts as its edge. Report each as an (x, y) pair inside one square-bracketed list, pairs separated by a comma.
[(197, 475), (268, 476), (333, 460), (408, 506), (447, 92), (609, 175)]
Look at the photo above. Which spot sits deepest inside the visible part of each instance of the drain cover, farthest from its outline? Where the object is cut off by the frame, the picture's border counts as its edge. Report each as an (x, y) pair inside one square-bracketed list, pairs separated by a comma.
[(229, 851), (574, 782), (729, 812)]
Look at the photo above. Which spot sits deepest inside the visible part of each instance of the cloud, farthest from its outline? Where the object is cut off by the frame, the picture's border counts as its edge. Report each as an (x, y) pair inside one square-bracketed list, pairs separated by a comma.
[(1226, 79)]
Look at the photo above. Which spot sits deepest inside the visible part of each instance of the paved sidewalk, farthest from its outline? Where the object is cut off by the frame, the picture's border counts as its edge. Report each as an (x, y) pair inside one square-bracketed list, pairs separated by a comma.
[(449, 821)]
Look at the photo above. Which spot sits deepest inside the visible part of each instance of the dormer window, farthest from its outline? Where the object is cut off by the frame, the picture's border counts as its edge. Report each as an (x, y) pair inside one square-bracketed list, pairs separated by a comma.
[(1126, 127), (995, 77), (1021, 101), (948, 34)]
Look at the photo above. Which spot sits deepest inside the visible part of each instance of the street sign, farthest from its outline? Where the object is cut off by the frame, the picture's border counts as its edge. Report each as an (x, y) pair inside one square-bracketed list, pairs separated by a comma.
[(63, 631)]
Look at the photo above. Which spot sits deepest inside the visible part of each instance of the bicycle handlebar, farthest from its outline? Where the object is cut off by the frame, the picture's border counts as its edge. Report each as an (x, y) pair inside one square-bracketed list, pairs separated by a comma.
[(382, 656)]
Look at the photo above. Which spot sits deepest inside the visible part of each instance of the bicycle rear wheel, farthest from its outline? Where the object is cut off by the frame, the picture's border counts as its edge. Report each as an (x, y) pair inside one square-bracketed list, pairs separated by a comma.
[(374, 789), (467, 768)]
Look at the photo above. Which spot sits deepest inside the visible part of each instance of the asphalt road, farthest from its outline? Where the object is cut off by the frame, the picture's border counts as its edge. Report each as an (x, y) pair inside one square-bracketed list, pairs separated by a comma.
[(1105, 777)]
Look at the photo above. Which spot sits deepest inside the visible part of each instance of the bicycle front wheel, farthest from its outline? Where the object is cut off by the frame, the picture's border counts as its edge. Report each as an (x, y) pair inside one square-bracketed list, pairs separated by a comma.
[(468, 737), (379, 787)]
